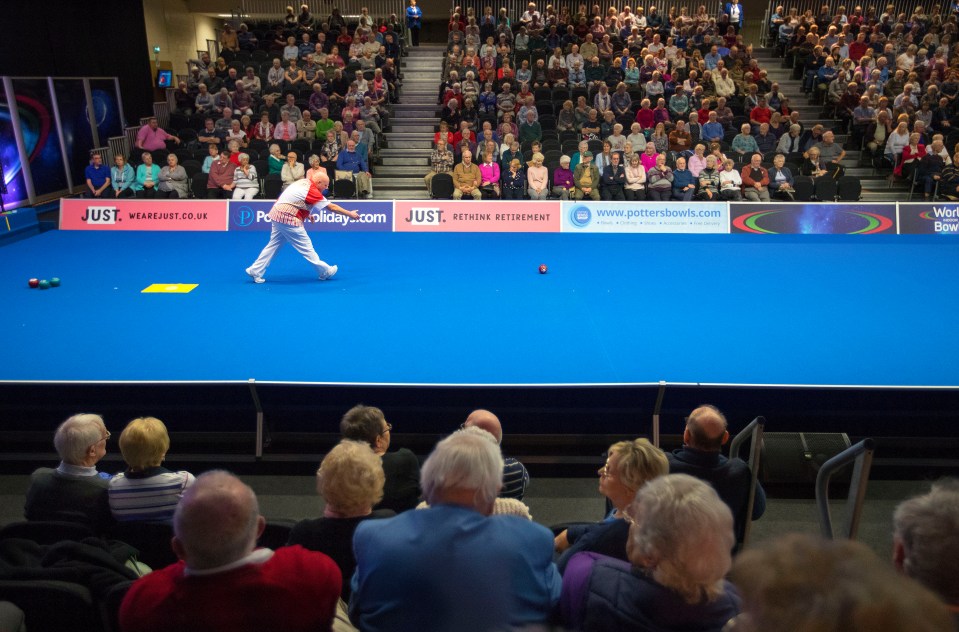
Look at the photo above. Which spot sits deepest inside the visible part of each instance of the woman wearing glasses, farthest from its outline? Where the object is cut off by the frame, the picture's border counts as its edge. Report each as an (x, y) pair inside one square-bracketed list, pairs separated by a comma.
[(629, 466)]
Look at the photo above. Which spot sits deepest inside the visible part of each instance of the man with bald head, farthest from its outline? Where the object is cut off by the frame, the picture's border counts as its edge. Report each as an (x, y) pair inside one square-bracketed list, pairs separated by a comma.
[(222, 581), (701, 456), (515, 476)]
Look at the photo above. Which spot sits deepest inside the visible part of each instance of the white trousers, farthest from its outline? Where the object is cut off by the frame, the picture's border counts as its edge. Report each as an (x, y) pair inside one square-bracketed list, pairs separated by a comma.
[(299, 239), (244, 194)]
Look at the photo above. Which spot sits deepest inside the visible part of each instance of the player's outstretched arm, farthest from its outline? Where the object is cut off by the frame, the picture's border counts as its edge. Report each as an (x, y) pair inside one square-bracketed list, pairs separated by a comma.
[(336, 208)]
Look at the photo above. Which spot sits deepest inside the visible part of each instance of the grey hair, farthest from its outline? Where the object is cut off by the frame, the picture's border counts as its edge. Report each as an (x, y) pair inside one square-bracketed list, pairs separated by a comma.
[(687, 531), (928, 528), (470, 460), (243, 157), (75, 436)]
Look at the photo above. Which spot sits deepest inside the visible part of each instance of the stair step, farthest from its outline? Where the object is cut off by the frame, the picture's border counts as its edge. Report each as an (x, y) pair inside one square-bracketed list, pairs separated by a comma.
[(406, 145), (409, 182), (423, 129), (409, 169), (400, 194), (403, 161), (393, 153)]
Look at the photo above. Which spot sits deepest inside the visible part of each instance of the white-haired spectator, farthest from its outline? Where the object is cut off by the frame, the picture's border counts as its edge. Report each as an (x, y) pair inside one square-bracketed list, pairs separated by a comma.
[(679, 550), (246, 183), (450, 567), (75, 491)]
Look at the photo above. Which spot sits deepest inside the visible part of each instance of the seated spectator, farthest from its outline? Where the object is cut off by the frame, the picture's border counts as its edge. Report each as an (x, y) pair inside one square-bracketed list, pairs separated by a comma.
[(152, 137), (514, 181), (697, 161), (708, 179), (466, 178), (367, 424), (766, 140), (831, 154), (148, 176), (122, 178), (146, 490), (635, 189), (350, 480), (678, 552), (629, 466), (801, 582), (755, 180), (285, 129), (441, 161), (586, 178), (173, 180), (306, 126), (292, 170), (403, 578), (781, 180), (613, 179), (351, 162), (744, 143), (275, 160), (811, 166), (97, 177), (537, 177), (563, 182), (730, 182), (219, 184), (930, 168), (530, 129), (680, 141), (75, 491), (489, 176), (246, 182), (925, 539), (264, 130), (216, 526), (790, 143), (684, 183), (659, 181), (212, 156)]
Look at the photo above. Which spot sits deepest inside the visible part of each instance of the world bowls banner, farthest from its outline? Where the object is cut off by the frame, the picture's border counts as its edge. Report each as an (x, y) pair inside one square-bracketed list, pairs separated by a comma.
[(587, 216), (808, 218), (374, 217), (929, 219)]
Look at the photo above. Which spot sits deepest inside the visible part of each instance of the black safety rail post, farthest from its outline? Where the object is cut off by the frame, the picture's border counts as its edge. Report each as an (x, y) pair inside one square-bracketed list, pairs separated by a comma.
[(656, 409), (861, 454), (754, 433), (259, 418)]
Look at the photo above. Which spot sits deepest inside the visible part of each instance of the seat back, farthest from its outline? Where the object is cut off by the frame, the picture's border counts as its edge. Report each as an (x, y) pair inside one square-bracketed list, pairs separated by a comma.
[(850, 189), (150, 538), (442, 186), (198, 184), (826, 189), (53, 605), (344, 188), (804, 188), (46, 531), (273, 186)]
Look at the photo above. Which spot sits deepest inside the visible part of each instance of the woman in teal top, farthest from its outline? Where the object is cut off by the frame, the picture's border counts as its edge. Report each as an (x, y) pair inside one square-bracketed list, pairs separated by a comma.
[(148, 176), (276, 160), (122, 178)]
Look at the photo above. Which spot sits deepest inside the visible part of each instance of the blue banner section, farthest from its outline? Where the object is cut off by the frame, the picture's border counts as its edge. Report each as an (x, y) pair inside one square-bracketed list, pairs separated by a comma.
[(809, 218), (374, 217), (929, 219), (587, 216)]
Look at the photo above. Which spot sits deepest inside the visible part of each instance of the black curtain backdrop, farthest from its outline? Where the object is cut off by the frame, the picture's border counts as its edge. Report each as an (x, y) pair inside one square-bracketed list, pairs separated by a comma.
[(65, 38)]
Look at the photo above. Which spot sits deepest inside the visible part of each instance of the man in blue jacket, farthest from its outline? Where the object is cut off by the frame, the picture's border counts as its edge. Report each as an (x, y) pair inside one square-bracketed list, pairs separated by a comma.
[(353, 162), (735, 12)]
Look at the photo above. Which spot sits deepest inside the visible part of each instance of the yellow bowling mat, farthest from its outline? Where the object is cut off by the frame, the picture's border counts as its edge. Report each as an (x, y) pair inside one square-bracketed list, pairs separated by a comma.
[(169, 288)]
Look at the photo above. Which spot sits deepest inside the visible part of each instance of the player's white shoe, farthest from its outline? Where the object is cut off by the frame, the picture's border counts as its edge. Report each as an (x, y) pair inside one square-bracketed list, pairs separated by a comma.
[(256, 279), (329, 275)]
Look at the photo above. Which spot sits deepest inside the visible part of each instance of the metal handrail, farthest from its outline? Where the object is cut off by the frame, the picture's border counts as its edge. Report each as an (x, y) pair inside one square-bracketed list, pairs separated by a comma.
[(754, 433), (861, 456)]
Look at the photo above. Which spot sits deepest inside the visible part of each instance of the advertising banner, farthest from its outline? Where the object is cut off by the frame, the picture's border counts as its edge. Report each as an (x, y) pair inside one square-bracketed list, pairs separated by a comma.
[(587, 216), (374, 217), (941, 218), (476, 216), (810, 218), (107, 214)]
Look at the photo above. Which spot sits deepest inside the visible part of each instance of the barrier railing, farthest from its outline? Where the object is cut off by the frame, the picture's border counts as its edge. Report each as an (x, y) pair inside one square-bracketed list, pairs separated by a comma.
[(754, 434), (860, 455)]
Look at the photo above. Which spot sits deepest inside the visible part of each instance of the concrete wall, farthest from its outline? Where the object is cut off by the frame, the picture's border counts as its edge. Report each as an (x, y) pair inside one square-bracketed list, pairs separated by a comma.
[(177, 32)]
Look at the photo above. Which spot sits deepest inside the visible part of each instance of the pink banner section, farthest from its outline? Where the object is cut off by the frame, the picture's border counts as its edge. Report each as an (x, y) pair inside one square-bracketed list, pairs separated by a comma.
[(106, 214), (476, 216)]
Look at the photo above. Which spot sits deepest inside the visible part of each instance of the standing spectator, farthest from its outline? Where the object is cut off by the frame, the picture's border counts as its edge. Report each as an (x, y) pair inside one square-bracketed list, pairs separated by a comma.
[(292, 170), (148, 175), (466, 178), (97, 177), (246, 183), (173, 180), (755, 180), (414, 22)]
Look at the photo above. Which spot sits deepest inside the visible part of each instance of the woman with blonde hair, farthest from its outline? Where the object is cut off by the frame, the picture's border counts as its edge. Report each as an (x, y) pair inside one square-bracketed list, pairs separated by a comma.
[(629, 466), (146, 490)]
